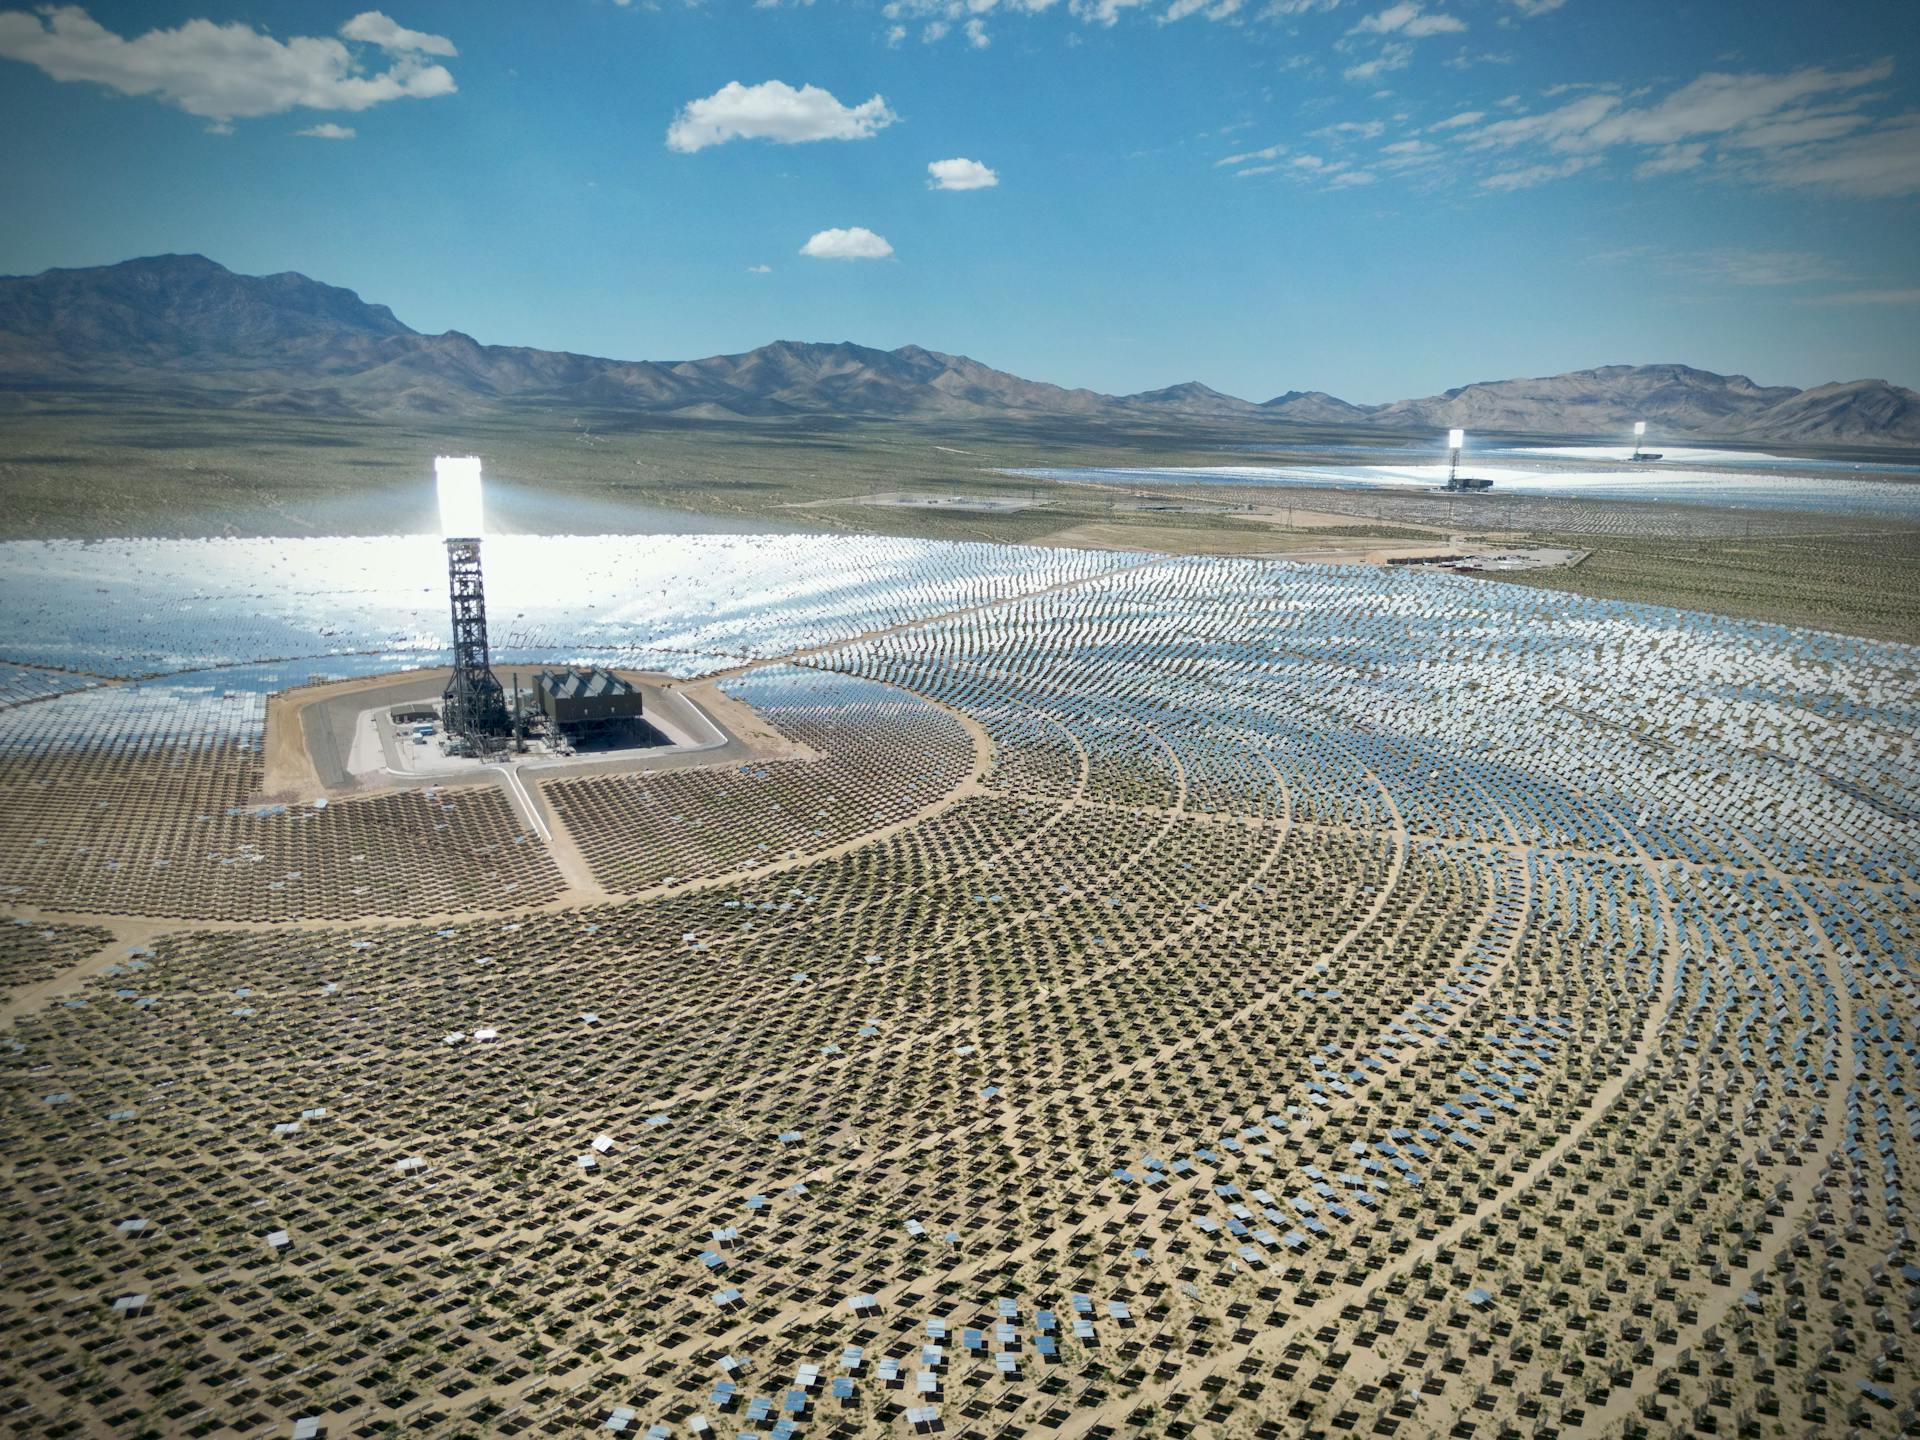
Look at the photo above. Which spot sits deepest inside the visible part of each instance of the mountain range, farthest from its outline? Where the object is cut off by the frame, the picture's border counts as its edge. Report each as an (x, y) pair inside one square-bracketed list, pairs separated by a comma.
[(187, 326)]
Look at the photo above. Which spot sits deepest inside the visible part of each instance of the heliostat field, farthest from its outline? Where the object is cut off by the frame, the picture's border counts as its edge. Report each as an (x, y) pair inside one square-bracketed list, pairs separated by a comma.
[(1146, 996)]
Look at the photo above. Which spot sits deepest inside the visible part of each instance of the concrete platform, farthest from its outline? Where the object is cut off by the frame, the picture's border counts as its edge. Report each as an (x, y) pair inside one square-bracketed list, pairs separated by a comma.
[(337, 741)]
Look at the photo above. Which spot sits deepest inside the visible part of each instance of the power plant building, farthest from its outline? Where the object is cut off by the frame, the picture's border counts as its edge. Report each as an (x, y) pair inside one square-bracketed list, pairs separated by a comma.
[(586, 699)]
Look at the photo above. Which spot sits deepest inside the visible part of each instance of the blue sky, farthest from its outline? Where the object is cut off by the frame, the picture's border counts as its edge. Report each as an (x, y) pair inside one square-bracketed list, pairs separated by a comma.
[(1376, 199)]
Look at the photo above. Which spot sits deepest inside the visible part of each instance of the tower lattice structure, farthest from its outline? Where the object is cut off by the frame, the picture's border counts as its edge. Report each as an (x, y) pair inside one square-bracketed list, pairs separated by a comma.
[(475, 707)]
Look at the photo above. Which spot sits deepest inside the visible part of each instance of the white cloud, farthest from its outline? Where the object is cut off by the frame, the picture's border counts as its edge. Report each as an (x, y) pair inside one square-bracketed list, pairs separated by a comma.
[(1211, 9), (1797, 127), (1536, 7), (1717, 104), (1404, 153), (759, 269), (227, 72), (1810, 127), (1673, 160), (1247, 157), (1351, 130), (1454, 122), (1727, 267), (1866, 297), (1463, 59), (855, 243), (1749, 111), (958, 174), (1527, 176), (1881, 164), (328, 131), (1410, 19), (774, 111), (1754, 267), (940, 19), (1562, 128), (1103, 12), (1396, 56), (1314, 171), (377, 29)]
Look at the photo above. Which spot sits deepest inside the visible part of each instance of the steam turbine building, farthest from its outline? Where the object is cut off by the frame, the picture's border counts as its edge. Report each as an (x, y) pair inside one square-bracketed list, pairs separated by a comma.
[(587, 702)]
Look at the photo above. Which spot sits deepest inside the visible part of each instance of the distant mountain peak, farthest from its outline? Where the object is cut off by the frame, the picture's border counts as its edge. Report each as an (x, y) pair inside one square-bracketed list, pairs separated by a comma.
[(1189, 398), (288, 342), (190, 261), (1315, 407)]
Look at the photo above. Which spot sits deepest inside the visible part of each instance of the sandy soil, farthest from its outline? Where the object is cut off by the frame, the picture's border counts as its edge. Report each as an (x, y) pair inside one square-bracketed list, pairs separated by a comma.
[(740, 720), (290, 773), (1326, 550)]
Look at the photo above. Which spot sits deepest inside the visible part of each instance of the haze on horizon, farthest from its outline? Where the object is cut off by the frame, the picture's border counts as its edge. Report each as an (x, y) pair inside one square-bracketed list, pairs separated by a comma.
[(1378, 198)]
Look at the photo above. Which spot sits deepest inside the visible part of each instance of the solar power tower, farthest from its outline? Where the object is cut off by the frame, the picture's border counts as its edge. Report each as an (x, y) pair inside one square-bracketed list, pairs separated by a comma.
[(474, 707)]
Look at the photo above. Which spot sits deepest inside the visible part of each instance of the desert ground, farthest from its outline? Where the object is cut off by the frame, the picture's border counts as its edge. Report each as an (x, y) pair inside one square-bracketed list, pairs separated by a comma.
[(1112, 992)]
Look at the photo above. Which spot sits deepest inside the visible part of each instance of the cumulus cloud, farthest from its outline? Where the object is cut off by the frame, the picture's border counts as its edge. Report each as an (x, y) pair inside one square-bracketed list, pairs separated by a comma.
[(328, 131), (226, 72), (854, 243), (960, 174), (377, 29), (774, 111)]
